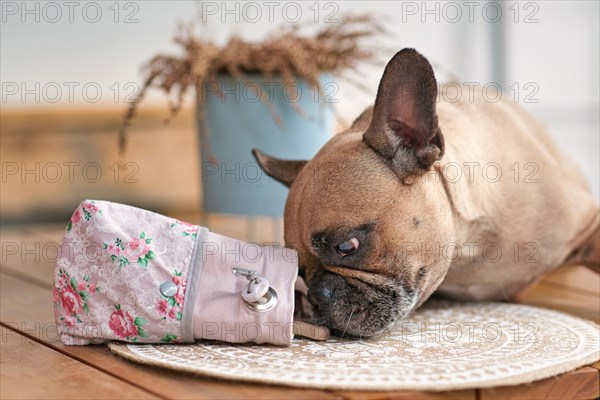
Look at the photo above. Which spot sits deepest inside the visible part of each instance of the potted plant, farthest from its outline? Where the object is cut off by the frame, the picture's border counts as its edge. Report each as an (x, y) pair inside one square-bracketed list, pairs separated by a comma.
[(275, 95)]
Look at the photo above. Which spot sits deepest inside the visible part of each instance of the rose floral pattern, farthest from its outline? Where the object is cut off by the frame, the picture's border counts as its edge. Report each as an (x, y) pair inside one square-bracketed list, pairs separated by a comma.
[(172, 307), (70, 297), (86, 210), (98, 296), (189, 230), (125, 326), (136, 250)]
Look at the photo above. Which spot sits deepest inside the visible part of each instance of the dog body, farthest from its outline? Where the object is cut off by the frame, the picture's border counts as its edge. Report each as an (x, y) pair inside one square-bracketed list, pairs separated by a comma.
[(470, 198)]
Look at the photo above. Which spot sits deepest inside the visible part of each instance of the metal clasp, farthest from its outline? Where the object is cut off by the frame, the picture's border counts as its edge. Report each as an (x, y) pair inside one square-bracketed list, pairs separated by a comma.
[(258, 295)]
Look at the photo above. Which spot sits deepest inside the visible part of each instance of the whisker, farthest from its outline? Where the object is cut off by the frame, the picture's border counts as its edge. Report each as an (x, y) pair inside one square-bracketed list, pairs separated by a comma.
[(348, 323)]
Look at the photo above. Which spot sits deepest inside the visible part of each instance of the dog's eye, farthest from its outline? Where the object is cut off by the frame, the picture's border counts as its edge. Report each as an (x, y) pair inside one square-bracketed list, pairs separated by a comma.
[(348, 247)]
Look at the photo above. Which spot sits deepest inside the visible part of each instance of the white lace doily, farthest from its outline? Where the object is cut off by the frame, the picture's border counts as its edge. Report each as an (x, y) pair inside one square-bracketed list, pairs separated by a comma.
[(442, 346)]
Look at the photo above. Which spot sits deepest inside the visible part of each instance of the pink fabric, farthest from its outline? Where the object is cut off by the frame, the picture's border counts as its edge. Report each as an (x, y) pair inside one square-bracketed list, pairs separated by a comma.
[(114, 259), (221, 314)]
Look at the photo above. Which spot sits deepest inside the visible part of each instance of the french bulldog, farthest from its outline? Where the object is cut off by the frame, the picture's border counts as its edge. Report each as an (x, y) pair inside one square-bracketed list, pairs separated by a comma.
[(469, 198)]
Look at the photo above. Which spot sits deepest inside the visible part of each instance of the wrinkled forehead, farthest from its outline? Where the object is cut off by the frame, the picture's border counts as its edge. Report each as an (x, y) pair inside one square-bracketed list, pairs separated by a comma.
[(346, 180)]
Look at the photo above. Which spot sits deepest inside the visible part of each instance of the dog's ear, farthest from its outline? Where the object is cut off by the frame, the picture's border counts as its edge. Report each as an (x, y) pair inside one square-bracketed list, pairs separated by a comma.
[(284, 171), (404, 128)]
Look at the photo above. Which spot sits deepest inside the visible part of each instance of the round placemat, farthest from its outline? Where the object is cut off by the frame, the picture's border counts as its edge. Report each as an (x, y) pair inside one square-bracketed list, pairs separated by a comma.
[(442, 346)]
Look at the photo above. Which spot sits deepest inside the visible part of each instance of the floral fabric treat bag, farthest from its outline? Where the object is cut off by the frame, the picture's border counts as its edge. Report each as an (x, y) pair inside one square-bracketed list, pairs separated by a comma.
[(128, 274)]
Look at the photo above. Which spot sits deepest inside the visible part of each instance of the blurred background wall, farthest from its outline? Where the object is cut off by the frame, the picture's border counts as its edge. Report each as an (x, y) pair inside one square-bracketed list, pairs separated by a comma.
[(68, 70)]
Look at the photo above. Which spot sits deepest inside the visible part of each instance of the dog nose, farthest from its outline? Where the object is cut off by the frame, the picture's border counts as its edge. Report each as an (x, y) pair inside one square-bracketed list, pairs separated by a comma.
[(322, 289)]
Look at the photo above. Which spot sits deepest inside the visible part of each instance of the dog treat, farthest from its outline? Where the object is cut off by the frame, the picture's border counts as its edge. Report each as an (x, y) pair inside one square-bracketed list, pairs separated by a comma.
[(315, 332), (133, 275), (303, 317)]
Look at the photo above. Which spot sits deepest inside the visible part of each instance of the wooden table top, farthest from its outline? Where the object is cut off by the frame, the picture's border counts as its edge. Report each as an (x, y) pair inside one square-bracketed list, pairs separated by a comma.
[(34, 364)]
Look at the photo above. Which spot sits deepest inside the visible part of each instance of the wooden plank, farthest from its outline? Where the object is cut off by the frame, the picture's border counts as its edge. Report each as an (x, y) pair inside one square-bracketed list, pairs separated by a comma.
[(33, 315), (266, 229), (28, 255), (59, 148), (182, 385), (256, 229), (50, 231), (362, 395), (33, 371), (582, 383), (567, 300), (577, 277)]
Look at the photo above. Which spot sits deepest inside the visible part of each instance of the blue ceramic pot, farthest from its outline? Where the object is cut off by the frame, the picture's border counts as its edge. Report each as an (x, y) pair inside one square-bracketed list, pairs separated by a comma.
[(239, 121)]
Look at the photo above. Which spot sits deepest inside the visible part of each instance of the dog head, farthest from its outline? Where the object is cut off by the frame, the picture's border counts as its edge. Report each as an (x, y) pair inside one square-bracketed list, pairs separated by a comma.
[(358, 213)]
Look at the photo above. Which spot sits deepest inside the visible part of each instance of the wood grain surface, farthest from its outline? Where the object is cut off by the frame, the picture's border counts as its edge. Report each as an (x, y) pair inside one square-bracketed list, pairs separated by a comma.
[(36, 365)]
